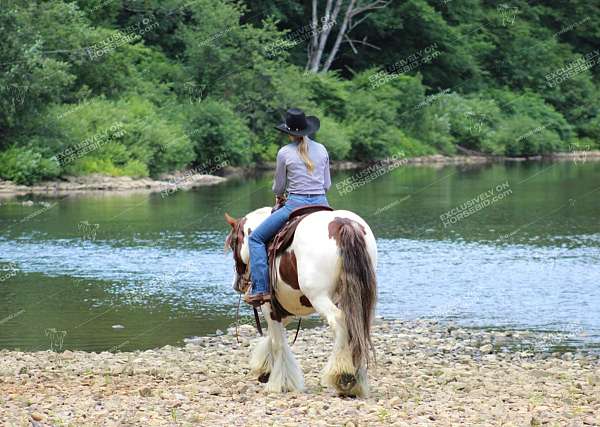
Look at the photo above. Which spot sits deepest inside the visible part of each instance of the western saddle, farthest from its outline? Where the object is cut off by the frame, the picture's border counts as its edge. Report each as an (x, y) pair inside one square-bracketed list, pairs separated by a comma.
[(284, 237)]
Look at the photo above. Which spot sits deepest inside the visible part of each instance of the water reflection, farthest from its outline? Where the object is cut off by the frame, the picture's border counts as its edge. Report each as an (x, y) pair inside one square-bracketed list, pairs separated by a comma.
[(156, 265)]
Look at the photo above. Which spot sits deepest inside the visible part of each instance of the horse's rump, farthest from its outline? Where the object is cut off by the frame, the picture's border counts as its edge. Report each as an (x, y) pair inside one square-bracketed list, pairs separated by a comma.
[(340, 247)]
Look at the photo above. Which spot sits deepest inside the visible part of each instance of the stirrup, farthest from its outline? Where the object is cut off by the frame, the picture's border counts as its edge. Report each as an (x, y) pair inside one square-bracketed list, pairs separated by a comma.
[(258, 299)]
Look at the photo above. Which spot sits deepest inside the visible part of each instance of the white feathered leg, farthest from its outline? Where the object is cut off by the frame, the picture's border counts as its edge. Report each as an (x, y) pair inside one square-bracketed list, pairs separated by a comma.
[(261, 361), (285, 373)]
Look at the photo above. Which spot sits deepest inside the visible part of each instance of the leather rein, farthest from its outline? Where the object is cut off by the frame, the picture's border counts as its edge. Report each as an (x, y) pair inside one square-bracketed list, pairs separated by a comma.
[(243, 281)]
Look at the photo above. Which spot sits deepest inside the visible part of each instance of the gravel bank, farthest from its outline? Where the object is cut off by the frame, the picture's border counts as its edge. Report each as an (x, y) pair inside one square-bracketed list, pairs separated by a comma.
[(96, 182), (427, 374)]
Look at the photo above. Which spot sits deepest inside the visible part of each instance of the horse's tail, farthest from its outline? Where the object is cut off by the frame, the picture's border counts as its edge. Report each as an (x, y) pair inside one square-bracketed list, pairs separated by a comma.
[(357, 289)]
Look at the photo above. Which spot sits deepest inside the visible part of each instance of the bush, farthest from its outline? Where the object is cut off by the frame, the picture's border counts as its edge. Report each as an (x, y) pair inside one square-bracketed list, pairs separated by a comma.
[(470, 119), (330, 93), (124, 137), (523, 136), (217, 132), (26, 166), (334, 136), (377, 112), (532, 105)]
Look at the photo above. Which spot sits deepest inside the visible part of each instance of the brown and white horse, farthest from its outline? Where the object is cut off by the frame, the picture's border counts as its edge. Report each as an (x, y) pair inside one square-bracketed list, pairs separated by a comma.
[(329, 268)]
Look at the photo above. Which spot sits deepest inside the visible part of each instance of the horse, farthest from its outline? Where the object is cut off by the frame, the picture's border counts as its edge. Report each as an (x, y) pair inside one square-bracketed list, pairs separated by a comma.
[(329, 268)]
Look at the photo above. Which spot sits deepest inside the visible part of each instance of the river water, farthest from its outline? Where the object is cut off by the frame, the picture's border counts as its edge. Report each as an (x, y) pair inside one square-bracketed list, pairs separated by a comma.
[(513, 245)]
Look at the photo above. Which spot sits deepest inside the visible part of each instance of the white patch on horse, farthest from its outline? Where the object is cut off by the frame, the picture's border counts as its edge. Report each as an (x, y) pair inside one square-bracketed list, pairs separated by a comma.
[(329, 282), (288, 296)]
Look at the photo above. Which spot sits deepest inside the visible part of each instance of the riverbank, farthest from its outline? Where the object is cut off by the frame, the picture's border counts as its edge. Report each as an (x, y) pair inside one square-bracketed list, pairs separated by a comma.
[(169, 183), (427, 374), (97, 182)]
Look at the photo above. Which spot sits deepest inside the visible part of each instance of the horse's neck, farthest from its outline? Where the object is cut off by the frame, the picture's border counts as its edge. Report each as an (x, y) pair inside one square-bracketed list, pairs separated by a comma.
[(256, 217)]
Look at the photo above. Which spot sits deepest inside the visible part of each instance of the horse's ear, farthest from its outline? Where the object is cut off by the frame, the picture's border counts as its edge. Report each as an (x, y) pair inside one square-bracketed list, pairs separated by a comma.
[(230, 220)]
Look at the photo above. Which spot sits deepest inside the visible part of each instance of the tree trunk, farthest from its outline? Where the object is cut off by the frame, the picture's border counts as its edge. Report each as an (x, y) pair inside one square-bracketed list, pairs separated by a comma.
[(317, 47), (338, 40)]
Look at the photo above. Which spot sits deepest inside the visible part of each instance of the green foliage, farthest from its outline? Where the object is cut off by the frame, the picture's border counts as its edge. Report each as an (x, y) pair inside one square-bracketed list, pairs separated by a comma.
[(375, 113), (533, 105), (523, 136), (29, 80), (470, 118), (333, 135), (26, 166), (217, 133), (132, 135), (330, 93), (200, 80)]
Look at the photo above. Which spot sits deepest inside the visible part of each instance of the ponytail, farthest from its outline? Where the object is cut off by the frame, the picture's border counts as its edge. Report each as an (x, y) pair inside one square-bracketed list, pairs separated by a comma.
[(303, 152)]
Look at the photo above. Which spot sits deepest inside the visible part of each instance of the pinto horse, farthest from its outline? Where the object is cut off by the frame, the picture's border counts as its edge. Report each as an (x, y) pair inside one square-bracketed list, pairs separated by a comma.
[(328, 268)]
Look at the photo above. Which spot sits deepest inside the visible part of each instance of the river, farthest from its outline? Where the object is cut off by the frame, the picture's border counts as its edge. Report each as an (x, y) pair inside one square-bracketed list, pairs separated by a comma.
[(513, 245)]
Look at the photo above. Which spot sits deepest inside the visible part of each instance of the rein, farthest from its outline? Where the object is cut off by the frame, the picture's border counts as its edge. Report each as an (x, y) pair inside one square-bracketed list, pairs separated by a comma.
[(258, 325), (237, 320), (257, 320), (243, 279)]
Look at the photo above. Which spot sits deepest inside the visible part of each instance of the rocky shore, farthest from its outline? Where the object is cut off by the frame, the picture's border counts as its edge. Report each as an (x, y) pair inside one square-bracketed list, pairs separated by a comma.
[(184, 181), (97, 182), (426, 374)]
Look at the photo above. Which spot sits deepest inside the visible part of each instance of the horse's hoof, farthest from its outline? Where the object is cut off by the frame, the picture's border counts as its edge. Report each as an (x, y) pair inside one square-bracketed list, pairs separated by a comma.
[(345, 383), (264, 378)]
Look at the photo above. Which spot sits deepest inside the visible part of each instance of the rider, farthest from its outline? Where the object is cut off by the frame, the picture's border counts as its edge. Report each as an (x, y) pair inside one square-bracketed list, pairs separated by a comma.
[(303, 171)]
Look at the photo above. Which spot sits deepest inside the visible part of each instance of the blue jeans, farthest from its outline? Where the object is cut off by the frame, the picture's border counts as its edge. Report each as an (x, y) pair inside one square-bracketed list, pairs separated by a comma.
[(259, 267)]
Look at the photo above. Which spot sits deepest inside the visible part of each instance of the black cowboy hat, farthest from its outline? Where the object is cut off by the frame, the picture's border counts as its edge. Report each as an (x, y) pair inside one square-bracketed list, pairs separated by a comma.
[(297, 124)]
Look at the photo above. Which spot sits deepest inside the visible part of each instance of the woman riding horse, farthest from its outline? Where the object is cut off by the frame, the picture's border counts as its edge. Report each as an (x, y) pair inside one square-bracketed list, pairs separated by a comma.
[(303, 171), (328, 268)]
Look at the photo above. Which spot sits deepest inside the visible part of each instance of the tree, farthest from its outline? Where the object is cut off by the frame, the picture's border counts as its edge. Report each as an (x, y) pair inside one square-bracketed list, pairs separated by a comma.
[(319, 38)]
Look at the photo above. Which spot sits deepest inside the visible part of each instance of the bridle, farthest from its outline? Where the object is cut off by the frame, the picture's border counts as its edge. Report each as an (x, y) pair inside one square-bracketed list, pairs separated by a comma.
[(242, 278), (235, 241)]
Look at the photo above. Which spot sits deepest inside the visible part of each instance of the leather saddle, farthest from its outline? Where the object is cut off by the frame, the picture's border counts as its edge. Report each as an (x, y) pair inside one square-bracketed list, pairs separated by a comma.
[(283, 239)]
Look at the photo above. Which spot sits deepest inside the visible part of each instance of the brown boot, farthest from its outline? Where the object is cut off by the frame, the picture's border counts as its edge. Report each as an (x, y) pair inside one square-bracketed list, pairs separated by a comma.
[(257, 300)]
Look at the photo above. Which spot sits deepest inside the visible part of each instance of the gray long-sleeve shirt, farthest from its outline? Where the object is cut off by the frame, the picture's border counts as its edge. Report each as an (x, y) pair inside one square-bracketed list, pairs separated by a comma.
[(291, 172)]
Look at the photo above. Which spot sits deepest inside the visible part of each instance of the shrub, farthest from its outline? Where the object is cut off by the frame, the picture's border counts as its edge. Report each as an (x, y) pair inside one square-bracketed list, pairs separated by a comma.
[(532, 105), (26, 166), (131, 135), (217, 133), (523, 136), (470, 119), (377, 112), (335, 137), (330, 93)]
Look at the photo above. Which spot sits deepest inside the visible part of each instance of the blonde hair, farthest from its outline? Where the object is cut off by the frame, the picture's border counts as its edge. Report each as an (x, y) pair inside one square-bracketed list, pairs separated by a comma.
[(303, 152)]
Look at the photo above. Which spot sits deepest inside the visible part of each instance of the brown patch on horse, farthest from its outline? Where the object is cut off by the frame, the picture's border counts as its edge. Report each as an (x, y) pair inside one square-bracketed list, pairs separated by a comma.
[(304, 301), (288, 269), (237, 240), (234, 241), (337, 223)]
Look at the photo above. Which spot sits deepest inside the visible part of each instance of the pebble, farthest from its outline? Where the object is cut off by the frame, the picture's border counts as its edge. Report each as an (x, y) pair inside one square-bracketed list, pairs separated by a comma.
[(427, 373), (146, 392), (36, 416), (488, 348)]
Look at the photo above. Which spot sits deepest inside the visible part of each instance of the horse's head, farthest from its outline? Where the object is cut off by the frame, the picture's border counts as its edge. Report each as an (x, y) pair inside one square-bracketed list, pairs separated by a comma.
[(237, 241)]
